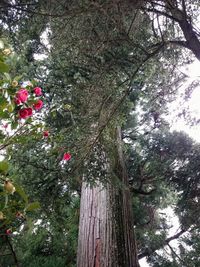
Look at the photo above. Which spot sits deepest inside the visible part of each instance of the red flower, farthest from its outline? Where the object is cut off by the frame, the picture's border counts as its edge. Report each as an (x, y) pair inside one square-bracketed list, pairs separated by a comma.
[(66, 156), (38, 105), (22, 95), (25, 113), (46, 133), (8, 231), (37, 91), (30, 111), (17, 101)]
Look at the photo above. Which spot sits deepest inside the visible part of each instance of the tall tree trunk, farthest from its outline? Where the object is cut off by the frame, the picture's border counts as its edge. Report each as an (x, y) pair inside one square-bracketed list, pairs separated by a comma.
[(106, 234)]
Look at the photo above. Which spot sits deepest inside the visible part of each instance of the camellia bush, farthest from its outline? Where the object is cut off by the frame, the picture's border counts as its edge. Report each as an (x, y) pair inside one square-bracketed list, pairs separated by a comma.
[(20, 101)]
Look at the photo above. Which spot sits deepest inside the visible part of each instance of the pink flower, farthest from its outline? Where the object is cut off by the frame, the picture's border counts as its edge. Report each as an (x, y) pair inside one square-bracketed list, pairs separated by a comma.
[(25, 113), (67, 156), (46, 133), (37, 91), (8, 231), (5, 125), (22, 95), (38, 105)]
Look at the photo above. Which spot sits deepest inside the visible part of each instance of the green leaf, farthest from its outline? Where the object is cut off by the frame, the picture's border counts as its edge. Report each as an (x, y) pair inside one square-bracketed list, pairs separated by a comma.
[(17, 78), (4, 166), (21, 192), (4, 114), (3, 67), (3, 103), (7, 76), (10, 108), (14, 125), (33, 206)]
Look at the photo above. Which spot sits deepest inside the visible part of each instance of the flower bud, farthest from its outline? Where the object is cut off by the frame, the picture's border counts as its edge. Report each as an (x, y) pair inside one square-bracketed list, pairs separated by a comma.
[(14, 83), (9, 187), (7, 51)]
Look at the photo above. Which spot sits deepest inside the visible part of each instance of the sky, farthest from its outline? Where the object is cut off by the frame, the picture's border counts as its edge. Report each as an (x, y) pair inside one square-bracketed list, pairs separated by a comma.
[(193, 72)]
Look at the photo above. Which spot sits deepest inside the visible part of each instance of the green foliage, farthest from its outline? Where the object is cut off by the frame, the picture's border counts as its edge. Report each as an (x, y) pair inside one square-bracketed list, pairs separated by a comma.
[(14, 203)]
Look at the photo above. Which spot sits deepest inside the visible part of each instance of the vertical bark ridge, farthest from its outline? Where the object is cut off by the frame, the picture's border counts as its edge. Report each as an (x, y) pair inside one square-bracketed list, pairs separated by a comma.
[(130, 246), (94, 227)]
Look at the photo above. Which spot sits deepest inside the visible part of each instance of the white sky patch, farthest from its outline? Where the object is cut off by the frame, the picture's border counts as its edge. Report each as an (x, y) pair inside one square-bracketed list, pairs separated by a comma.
[(173, 221), (143, 263), (44, 40), (192, 105)]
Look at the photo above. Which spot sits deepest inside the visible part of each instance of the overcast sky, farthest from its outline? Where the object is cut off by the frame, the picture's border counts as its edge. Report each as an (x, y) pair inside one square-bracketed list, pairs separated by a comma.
[(193, 104)]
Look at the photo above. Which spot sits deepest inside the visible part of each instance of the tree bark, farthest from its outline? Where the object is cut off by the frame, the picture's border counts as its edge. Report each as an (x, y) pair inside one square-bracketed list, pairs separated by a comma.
[(181, 16), (106, 233), (192, 41)]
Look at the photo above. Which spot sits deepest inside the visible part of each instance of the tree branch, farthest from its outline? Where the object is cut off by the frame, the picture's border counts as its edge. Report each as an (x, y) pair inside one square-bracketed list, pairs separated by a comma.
[(181, 17), (141, 191), (150, 251), (173, 251), (153, 10)]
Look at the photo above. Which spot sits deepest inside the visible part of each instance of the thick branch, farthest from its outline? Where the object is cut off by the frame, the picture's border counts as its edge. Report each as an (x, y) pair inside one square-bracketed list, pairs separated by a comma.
[(181, 17), (193, 42), (186, 27), (180, 43), (153, 10), (150, 251), (141, 191)]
